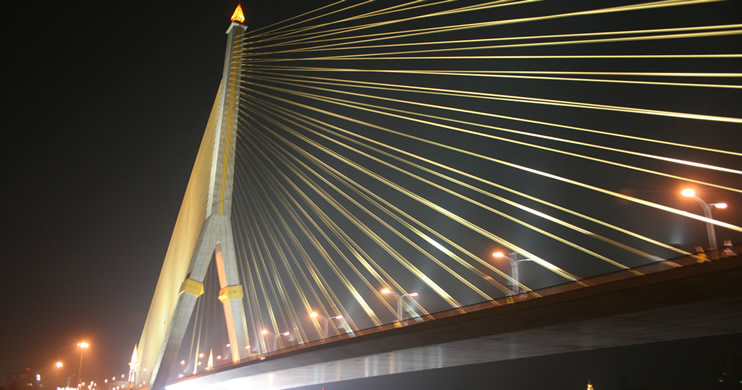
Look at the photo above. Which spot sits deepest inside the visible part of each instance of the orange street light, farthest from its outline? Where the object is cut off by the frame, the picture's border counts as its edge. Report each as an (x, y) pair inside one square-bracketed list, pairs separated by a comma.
[(706, 207), (83, 345)]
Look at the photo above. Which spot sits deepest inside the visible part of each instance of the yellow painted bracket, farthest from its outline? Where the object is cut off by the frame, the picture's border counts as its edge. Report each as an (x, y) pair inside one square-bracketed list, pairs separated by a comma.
[(192, 287), (231, 292)]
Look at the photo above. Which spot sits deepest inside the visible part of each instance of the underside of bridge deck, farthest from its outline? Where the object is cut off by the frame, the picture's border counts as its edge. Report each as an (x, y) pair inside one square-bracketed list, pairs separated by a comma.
[(686, 302)]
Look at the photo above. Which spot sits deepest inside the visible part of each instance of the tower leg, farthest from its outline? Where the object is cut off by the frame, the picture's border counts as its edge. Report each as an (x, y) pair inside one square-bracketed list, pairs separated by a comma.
[(231, 290), (190, 290)]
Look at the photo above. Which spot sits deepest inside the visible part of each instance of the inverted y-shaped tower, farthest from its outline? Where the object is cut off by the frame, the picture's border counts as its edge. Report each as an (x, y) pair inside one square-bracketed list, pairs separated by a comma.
[(203, 230)]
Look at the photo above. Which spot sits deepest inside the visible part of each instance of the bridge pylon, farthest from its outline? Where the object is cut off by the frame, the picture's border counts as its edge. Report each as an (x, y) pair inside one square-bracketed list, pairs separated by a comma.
[(203, 231)]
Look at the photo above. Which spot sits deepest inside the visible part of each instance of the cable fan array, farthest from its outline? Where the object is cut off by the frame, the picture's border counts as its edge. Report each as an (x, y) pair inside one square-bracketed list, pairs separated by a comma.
[(384, 153)]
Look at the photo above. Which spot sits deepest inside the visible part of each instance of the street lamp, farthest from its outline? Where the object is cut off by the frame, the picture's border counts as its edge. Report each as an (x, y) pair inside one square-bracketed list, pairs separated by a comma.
[(59, 365), (83, 345), (513, 260), (326, 321), (706, 207), (275, 336), (400, 300)]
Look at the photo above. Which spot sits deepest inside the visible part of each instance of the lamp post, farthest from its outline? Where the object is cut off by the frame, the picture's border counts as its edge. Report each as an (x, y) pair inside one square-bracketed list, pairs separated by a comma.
[(706, 207), (400, 300), (59, 366), (326, 321), (275, 337), (83, 345), (513, 260)]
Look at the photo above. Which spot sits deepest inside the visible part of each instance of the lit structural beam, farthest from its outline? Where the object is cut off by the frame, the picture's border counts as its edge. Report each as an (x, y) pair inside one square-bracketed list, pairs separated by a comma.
[(508, 130), (445, 212), (296, 210), (478, 204), (521, 167), (440, 29), (204, 226), (391, 156), (374, 215), (458, 45), (312, 37), (487, 96)]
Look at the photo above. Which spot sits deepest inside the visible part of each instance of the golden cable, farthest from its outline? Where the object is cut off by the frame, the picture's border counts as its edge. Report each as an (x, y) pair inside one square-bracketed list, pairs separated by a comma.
[(362, 227), (485, 207), (442, 210), (406, 239), (624, 8), (460, 93), (675, 35), (528, 169), (314, 272), (458, 182), (344, 179), (339, 309), (493, 4), (530, 134)]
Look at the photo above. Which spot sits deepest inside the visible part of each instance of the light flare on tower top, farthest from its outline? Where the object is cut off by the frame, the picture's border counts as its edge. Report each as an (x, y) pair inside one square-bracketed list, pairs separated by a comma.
[(238, 16)]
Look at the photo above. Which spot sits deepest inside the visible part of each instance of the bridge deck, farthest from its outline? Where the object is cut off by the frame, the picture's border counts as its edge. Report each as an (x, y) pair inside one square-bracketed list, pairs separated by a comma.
[(685, 302)]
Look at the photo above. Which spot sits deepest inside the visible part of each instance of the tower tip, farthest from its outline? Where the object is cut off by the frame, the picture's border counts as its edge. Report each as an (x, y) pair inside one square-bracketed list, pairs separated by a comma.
[(238, 16)]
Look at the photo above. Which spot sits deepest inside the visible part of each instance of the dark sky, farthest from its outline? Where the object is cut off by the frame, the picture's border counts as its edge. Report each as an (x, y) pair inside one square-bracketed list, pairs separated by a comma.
[(104, 108)]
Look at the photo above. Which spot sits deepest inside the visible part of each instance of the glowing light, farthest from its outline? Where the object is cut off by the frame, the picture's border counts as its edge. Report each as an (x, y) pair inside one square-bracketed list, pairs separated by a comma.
[(688, 193), (286, 333), (238, 16), (313, 314), (247, 346), (218, 357), (83, 344), (201, 355), (498, 255), (264, 332), (228, 345), (413, 294), (340, 317), (182, 362), (386, 291), (59, 364), (721, 205)]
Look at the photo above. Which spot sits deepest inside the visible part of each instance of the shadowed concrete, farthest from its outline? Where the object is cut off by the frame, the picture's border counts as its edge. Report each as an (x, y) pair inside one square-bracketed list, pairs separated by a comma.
[(685, 302)]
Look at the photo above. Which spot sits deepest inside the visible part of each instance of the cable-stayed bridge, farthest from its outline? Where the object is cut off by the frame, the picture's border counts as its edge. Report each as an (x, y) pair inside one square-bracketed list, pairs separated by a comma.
[(374, 176)]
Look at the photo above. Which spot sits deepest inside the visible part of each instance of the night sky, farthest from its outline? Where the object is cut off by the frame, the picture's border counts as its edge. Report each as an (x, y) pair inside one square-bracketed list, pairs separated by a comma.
[(104, 110)]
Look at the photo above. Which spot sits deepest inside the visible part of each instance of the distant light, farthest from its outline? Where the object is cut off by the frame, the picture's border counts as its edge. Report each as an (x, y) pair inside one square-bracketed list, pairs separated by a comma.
[(180, 375), (247, 346), (229, 345), (38, 377), (59, 364), (313, 314), (218, 357), (498, 255), (385, 291), (182, 362), (201, 355), (83, 344), (262, 358), (688, 193), (264, 332), (105, 380), (113, 378), (340, 317), (721, 205), (238, 16), (286, 333)]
